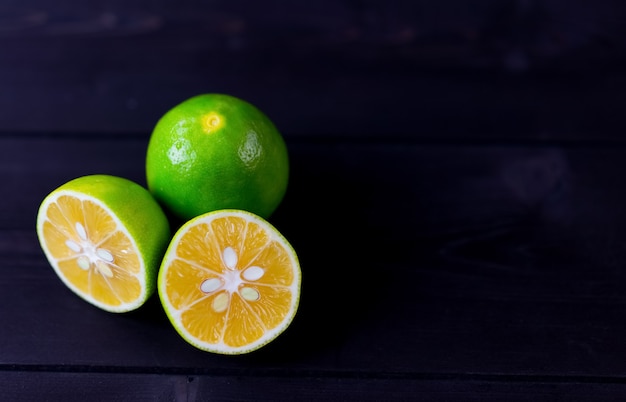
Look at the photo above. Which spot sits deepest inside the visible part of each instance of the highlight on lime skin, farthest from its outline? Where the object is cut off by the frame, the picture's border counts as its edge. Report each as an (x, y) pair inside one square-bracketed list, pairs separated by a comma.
[(212, 121)]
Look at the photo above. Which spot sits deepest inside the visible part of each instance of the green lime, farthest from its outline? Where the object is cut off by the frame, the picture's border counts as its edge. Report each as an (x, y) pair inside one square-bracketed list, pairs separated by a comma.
[(215, 151), (105, 237)]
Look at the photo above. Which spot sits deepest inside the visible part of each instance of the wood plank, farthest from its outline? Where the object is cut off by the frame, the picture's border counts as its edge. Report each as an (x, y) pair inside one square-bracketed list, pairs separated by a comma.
[(111, 387), (446, 260), (69, 386), (444, 70)]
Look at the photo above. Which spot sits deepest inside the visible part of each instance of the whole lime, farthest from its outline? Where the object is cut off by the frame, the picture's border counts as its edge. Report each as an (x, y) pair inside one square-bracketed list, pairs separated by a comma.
[(216, 151)]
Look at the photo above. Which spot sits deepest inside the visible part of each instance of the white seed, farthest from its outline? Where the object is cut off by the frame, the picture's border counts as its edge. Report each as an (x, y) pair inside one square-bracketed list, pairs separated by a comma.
[(104, 269), (72, 245), (253, 273), (250, 294), (80, 229), (211, 285), (105, 254), (229, 255), (83, 262), (220, 303)]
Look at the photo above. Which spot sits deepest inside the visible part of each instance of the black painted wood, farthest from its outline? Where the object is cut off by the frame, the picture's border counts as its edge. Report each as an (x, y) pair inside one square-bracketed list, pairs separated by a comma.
[(448, 69), (456, 195), (18, 386), (106, 387), (430, 272)]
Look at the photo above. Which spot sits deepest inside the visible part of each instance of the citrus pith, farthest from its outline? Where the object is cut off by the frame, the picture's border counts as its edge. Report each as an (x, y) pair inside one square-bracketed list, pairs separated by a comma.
[(229, 282), (216, 151), (104, 236)]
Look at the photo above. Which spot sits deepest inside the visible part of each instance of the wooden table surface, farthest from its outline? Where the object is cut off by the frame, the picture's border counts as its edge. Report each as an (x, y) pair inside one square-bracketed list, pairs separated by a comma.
[(456, 198)]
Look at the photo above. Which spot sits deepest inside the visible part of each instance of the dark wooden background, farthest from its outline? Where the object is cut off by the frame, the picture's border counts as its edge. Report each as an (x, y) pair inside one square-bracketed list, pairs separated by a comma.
[(489, 69), (457, 197)]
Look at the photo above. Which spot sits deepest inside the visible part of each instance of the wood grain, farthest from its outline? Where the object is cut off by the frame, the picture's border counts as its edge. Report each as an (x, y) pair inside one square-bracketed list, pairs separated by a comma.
[(487, 269), (491, 70), (19, 386), (456, 195)]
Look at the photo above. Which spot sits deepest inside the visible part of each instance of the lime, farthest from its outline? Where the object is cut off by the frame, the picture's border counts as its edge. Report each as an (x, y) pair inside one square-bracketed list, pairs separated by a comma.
[(105, 237), (229, 282), (216, 151)]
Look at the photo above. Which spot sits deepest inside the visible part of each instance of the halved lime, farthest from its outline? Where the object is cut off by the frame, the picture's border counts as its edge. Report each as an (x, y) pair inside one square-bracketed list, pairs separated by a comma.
[(105, 237), (229, 282)]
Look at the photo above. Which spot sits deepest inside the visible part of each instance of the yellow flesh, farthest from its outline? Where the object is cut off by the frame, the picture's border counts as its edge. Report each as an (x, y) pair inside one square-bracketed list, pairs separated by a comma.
[(79, 232), (235, 311)]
